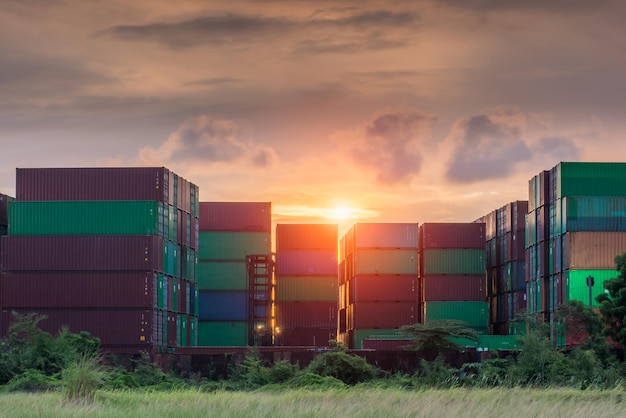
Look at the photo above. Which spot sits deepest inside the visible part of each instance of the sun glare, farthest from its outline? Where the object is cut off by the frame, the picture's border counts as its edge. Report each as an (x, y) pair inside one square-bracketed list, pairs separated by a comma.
[(340, 212)]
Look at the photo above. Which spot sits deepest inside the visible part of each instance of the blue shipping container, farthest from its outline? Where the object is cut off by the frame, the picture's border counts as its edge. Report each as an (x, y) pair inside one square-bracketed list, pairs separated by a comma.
[(223, 306)]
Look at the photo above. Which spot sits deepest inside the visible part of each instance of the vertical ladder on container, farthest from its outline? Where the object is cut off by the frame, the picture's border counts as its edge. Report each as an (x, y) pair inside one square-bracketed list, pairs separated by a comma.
[(260, 269)]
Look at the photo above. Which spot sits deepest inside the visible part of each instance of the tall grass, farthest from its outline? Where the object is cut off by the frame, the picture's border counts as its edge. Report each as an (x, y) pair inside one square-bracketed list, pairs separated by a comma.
[(346, 402), (81, 378)]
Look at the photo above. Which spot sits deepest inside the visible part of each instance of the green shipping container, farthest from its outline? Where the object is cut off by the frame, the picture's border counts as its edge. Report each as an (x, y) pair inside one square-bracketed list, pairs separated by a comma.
[(175, 293), (216, 245), (490, 342), (590, 179), (475, 314), (361, 334), (217, 275), (172, 234), (307, 288), (87, 218), (386, 261), (222, 333), (161, 292), (517, 328), (171, 258), (576, 284), (453, 261)]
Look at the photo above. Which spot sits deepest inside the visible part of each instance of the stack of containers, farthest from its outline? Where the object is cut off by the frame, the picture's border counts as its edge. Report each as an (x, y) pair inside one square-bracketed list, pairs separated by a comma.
[(306, 284), (452, 273), (505, 255), (381, 282), (99, 250), (229, 232), (4, 218), (586, 229)]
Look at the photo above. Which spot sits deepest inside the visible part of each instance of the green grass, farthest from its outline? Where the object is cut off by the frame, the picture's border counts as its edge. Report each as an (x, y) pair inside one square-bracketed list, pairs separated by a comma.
[(357, 401)]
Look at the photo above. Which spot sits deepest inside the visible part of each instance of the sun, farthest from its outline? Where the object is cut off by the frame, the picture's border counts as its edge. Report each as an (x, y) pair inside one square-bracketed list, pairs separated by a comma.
[(341, 213)]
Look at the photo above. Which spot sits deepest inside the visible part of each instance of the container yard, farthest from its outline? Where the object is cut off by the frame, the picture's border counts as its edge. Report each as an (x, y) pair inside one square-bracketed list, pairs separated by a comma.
[(306, 285), (131, 256)]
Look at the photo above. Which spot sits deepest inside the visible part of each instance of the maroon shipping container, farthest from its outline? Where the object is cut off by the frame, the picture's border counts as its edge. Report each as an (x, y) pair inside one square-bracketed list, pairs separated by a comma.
[(78, 290), (517, 245), (236, 216), (367, 315), (342, 323), (306, 237), (383, 288), (519, 209), (452, 235), (385, 345), (195, 233), (172, 337), (306, 337), (385, 235), (114, 327), (306, 263), (94, 183), (306, 315), (184, 195), (82, 253), (454, 288)]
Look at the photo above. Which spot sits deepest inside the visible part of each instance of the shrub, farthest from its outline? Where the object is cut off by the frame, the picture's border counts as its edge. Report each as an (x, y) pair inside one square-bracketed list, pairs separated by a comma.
[(82, 378), (345, 367), (307, 379), (30, 380)]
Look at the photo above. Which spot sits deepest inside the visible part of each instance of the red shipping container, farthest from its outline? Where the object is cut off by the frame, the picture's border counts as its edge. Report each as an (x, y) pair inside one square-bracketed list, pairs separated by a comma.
[(517, 245), (306, 337), (453, 287), (306, 315), (94, 183), (519, 210), (78, 290), (82, 253), (171, 330), (306, 263), (195, 233), (236, 216), (452, 235), (385, 235), (383, 288), (114, 327), (366, 315), (306, 237)]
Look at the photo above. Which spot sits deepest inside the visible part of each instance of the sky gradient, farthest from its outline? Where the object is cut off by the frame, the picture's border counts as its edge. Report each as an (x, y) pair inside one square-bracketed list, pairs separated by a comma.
[(402, 111)]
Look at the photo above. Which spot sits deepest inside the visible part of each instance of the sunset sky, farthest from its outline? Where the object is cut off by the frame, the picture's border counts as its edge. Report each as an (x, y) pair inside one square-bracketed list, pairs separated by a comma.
[(395, 111)]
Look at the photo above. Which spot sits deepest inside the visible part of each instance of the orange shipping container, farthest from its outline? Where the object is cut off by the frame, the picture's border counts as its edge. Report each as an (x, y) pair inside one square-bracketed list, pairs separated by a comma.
[(593, 250)]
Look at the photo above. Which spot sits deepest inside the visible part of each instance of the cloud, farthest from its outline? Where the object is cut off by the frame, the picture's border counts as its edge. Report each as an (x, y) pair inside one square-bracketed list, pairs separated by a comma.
[(558, 149), (353, 32), (210, 141), (487, 146), (389, 145), (215, 81), (557, 6)]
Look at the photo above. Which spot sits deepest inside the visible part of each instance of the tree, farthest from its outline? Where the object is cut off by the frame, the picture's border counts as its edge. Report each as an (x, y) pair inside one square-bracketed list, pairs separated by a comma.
[(584, 325), (436, 335), (613, 305)]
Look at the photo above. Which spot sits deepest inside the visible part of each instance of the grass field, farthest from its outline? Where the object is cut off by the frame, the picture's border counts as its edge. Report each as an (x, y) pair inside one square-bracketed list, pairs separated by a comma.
[(351, 402)]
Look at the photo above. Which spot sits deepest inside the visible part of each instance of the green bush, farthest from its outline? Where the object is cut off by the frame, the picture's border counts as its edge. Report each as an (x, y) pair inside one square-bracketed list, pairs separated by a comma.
[(30, 380), (345, 367), (307, 379), (82, 378)]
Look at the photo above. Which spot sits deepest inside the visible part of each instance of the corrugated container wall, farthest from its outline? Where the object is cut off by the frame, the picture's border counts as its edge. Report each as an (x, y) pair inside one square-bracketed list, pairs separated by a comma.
[(4, 209), (385, 235), (452, 235), (119, 183), (235, 216), (306, 237)]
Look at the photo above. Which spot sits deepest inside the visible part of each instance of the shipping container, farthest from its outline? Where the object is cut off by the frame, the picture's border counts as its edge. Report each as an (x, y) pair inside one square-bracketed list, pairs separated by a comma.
[(595, 213), (452, 235), (83, 253), (593, 250), (474, 313), (383, 288), (382, 314), (307, 288), (114, 327), (385, 235), (577, 287), (223, 305), (78, 290), (88, 218), (356, 337), (306, 337), (171, 258), (4, 210), (306, 314), (236, 216), (193, 331), (454, 287), (385, 343), (590, 179), (306, 263), (231, 246), (222, 333), (453, 261), (306, 237), (222, 275), (93, 183), (386, 261)]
